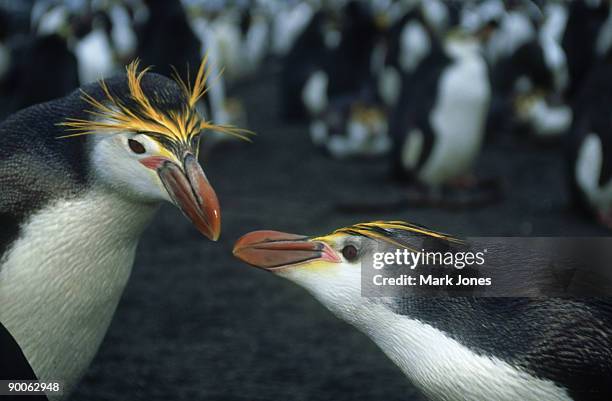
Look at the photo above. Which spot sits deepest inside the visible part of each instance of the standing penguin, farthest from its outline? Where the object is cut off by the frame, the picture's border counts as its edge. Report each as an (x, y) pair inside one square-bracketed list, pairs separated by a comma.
[(438, 122), (452, 348), (82, 176)]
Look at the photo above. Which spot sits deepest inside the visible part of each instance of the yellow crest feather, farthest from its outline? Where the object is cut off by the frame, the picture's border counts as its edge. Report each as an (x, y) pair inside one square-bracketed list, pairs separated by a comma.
[(384, 230), (112, 115)]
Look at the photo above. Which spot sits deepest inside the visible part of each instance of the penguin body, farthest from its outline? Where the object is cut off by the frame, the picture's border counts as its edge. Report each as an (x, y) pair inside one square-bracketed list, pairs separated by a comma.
[(50, 234), (438, 138), (453, 348), (73, 208)]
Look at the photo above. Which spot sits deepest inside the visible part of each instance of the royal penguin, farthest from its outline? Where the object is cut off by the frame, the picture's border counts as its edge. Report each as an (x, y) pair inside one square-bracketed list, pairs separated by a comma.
[(453, 348), (438, 123), (82, 176)]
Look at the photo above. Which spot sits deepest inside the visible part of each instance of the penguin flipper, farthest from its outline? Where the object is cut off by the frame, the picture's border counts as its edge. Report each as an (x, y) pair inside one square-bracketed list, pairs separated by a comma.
[(15, 366)]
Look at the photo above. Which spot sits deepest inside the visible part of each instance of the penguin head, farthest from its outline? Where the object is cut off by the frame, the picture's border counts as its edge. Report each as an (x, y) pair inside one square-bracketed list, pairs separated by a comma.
[(330, 266), (144, 133)]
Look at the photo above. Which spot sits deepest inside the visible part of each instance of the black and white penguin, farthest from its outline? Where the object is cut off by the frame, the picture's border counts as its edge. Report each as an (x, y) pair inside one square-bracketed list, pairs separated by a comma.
[(452, 348), (82, 176), (590, 146), (438, 123)]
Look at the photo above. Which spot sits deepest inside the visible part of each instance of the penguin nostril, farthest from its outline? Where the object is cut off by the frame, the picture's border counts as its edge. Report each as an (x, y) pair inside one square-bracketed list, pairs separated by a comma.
[(136, 146)]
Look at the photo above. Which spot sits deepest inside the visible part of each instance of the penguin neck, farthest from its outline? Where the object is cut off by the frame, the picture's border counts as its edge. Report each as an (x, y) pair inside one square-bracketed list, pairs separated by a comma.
[(62, 279), (443, 368)]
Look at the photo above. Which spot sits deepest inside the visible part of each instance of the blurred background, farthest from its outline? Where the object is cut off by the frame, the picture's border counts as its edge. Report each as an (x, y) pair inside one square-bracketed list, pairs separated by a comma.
[(476, 118)]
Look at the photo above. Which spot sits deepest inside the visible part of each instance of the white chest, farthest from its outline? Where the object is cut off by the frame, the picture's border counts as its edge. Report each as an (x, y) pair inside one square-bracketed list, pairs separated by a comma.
[(61, 281), (445, 370), (457, 120)]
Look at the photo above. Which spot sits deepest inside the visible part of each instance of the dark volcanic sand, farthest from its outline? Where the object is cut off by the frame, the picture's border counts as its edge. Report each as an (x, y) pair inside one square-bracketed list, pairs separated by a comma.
[(195, 324)]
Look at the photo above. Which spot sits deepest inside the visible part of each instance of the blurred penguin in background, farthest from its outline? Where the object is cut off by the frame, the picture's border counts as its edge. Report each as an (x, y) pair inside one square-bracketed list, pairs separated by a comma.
[(528, 67), (438, 123)]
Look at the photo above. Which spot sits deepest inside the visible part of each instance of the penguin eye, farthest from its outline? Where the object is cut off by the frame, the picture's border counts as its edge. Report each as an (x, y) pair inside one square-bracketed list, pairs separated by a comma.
[(136, 146), (350, 253)]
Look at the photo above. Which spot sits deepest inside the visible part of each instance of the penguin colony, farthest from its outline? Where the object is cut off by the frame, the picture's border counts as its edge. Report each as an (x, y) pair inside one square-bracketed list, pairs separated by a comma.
[(424, 84), (427, 84)]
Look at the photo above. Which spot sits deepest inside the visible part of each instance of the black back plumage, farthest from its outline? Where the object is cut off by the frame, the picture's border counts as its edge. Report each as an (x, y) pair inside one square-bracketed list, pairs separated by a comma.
[(565, 340), (36, 167), (568, 341)]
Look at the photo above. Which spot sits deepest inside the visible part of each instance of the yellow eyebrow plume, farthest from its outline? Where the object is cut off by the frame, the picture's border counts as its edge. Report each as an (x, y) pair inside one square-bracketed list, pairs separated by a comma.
[(386, 231), (112, 115)]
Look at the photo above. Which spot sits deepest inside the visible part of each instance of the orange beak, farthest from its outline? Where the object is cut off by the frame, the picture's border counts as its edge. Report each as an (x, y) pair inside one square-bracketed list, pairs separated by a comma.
[(274, 250), (193, 195)]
